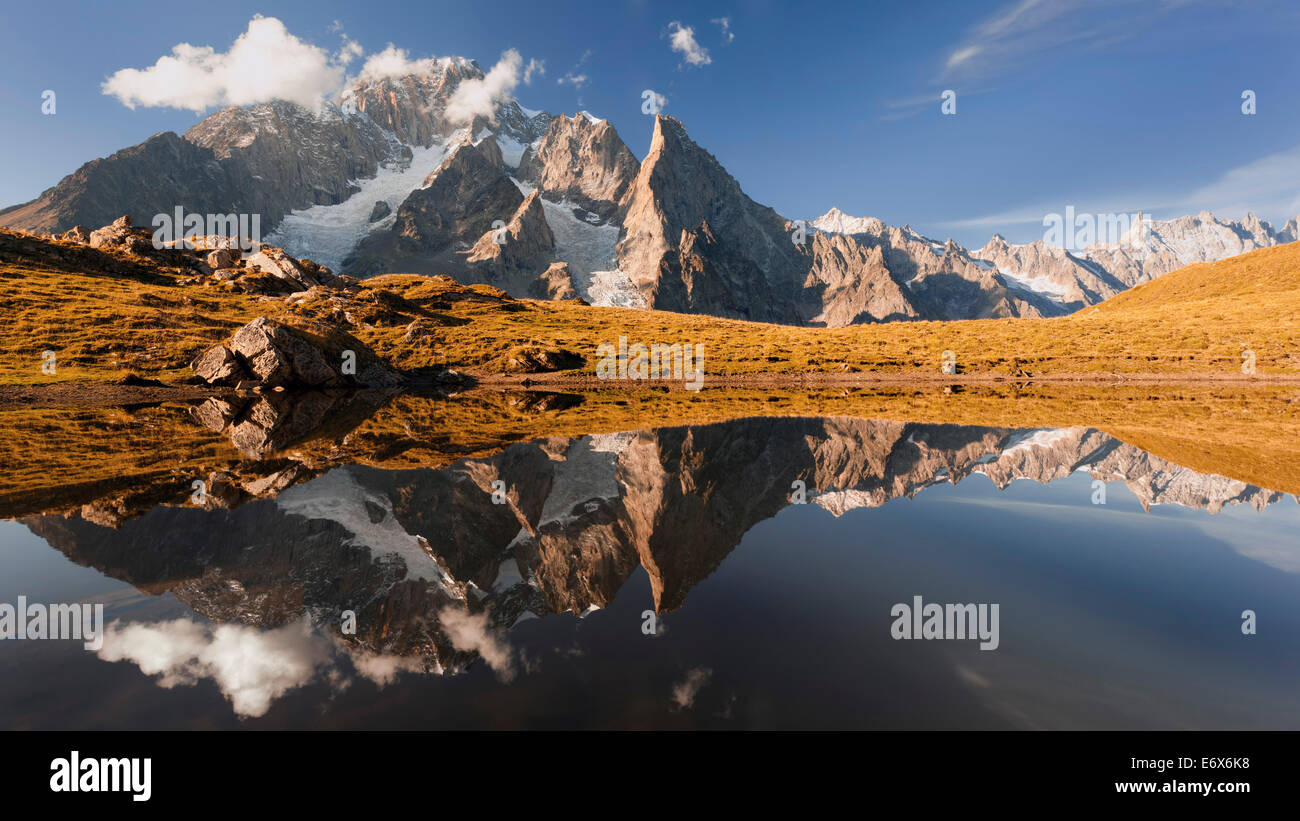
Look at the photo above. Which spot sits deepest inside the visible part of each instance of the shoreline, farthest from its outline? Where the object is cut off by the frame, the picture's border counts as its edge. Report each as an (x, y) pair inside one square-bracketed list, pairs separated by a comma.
[(89, 393)]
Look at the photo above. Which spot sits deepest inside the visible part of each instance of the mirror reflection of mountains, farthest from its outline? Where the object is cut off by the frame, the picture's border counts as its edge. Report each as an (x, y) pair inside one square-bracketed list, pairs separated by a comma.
[(572, 520)]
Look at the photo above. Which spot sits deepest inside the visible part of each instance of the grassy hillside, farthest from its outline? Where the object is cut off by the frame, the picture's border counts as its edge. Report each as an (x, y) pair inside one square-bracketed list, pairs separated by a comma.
[(103, 314), (1197, 320)]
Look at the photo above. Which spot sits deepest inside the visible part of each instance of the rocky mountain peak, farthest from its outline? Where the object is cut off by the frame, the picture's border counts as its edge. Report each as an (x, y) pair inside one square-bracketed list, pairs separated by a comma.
[(582, 160), (836, 221)]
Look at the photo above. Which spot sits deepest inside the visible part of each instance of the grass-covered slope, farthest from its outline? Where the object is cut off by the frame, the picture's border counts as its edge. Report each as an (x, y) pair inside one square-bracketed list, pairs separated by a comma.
[(103, 313)]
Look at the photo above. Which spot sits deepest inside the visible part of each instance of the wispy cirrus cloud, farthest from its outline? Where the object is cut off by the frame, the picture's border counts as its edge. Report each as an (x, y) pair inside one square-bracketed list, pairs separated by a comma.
[(1265, 186), (1030, 30), (575, 76)]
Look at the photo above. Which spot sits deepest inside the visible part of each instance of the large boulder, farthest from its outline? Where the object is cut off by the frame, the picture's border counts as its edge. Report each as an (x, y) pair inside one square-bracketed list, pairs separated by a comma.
[(272, 354), (218, 366)]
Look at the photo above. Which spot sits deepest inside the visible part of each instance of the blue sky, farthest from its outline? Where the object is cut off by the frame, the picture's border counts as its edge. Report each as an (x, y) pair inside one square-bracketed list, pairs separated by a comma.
[(1106, 105)]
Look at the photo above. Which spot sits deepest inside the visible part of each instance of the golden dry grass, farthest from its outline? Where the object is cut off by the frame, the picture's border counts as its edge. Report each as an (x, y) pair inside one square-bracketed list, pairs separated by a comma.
[(1196, 321)]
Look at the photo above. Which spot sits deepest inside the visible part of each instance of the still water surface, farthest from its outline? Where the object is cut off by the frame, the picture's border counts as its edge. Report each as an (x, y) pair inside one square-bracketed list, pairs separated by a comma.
[(671, 579)]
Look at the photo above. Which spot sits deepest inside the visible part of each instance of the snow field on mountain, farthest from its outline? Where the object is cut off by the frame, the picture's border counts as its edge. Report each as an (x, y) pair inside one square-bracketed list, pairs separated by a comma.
[(328, 233), (589, 250)]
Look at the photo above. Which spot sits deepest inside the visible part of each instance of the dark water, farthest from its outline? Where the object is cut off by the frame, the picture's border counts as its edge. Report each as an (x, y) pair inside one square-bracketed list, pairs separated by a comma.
[(532, 613)]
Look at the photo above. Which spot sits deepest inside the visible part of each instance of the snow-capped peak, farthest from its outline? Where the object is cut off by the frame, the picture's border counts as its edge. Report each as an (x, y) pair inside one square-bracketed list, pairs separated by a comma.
[(836, 221)]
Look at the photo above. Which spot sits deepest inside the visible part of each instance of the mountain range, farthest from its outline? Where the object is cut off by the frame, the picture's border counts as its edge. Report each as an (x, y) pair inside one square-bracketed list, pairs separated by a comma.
[(558, 207)]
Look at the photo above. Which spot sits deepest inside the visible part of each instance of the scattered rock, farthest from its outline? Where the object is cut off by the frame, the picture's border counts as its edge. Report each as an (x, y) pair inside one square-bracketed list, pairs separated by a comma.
[(381, 210), (535, 359), (222, 258)]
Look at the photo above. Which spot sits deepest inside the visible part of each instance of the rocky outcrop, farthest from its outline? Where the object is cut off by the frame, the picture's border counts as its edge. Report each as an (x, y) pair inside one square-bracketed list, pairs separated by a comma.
[(264, 424), (582, 160), (272, 354), (514, 258), (556, 282), (856, 284)]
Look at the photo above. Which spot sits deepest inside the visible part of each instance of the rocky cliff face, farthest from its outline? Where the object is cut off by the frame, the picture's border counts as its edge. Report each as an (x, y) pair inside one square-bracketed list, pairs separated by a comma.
[(517, 258), (458, 204), (581, 160), (693, 242)]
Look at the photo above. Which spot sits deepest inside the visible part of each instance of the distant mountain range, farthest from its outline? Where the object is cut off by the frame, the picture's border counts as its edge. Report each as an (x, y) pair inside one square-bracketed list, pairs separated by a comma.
[(558, 207)]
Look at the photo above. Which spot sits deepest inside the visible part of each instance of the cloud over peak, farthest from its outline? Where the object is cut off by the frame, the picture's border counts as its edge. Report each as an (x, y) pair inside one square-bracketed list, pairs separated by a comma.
[(264, 62), (480, 97)]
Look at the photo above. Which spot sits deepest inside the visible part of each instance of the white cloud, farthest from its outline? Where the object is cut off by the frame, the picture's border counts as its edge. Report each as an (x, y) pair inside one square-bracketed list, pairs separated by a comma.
[(661, 102), (572, 77), (470, 632), (725, 24), (382, 669), (682, 39), (1266, 186), (537, 67), (962, 55), (393, 62), (349, 51), (480, 97), (264, 63)]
